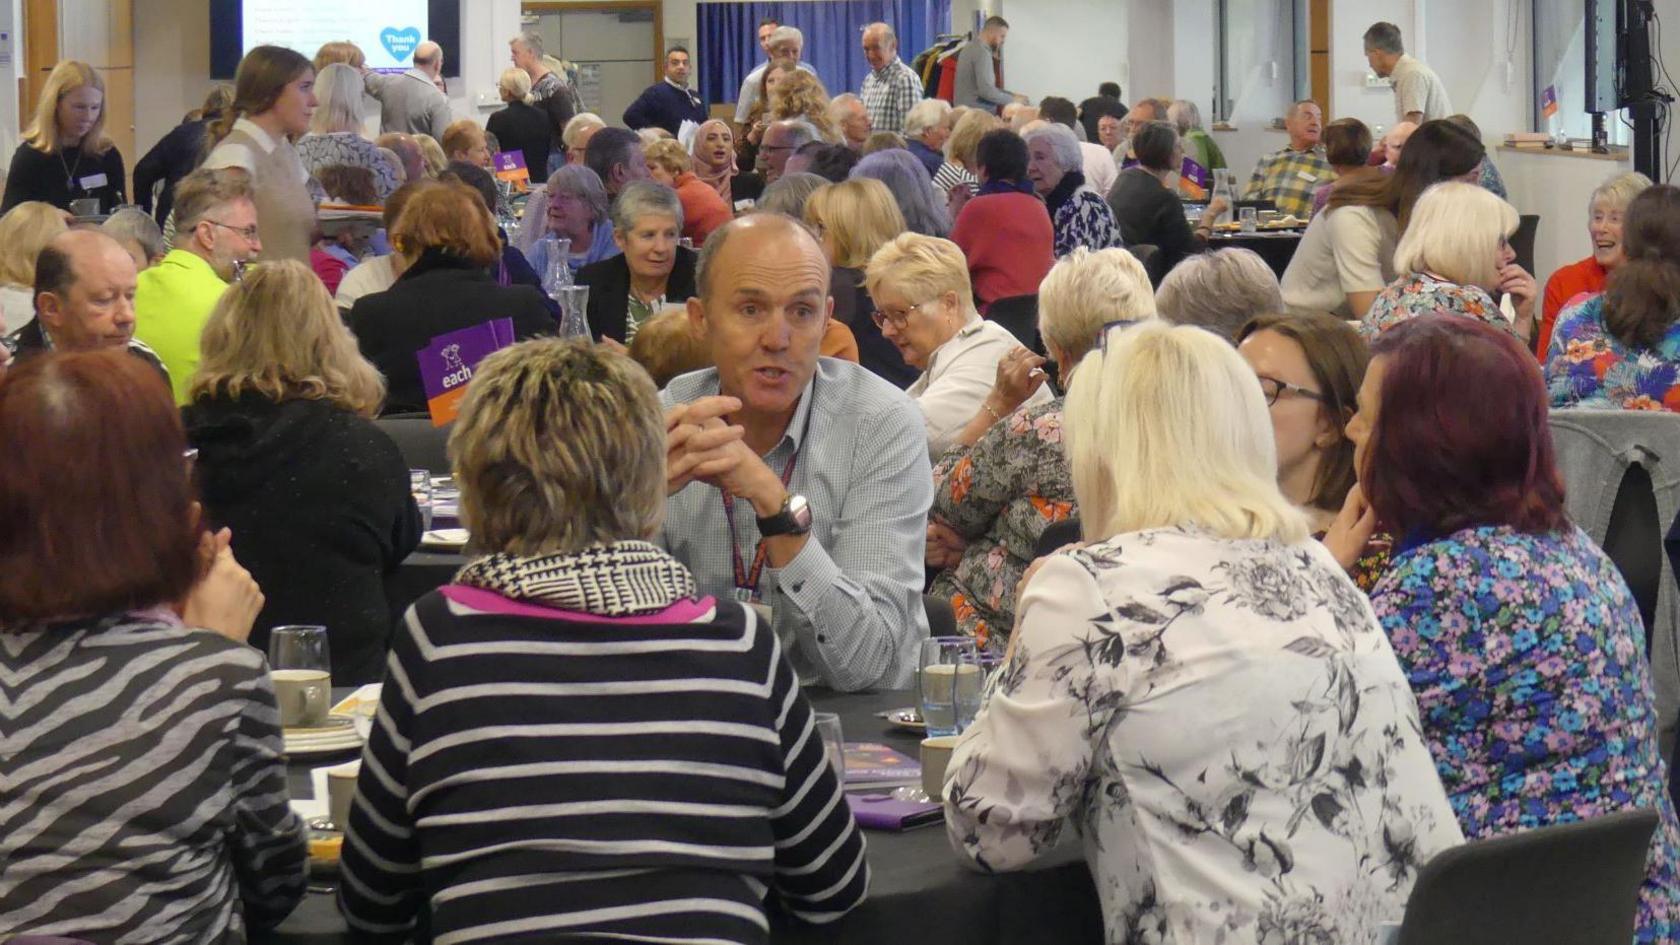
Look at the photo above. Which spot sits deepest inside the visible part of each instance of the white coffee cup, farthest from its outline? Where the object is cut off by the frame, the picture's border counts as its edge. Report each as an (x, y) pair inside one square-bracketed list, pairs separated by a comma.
[(936, 756), (341, 790)]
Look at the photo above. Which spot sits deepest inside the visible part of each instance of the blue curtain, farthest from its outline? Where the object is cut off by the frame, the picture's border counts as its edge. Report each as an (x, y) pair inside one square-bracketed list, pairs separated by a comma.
[(728, 41)]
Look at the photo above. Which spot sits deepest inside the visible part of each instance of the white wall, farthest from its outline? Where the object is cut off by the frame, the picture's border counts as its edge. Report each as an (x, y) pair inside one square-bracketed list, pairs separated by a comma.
[(1065, 47)]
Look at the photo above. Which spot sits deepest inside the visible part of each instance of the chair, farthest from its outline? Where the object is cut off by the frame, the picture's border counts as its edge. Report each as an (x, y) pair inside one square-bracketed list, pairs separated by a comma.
[(1634, 543), (1522, 242), (942, 620), (1019, 314), (1573, 884), (1056, 535), (423, 446)]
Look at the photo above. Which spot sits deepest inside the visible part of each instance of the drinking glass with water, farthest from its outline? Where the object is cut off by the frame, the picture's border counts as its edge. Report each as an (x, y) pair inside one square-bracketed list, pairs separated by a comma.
[(950, 681), (420, 486)]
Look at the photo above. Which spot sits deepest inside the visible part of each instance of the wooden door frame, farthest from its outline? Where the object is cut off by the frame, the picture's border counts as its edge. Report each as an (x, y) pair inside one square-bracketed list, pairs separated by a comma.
[(39, 35), (609, 6)]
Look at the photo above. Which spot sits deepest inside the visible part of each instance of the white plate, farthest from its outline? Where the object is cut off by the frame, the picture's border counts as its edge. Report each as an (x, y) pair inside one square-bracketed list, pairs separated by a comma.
[(338, 735), (446, 539), (909, 719)]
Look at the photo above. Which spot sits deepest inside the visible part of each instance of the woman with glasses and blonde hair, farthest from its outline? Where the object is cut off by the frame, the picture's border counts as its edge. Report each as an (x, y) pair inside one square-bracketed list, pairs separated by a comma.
[(281, 413), (1190, 690), (66, 155), (852, 220), (1006, 481), (924, 306), (335, 136), (273, 104), (25, 230)]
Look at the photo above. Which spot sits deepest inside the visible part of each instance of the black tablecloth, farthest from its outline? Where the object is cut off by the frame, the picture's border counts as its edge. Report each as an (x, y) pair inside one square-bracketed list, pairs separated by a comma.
[(1276, 248), (919, 891)]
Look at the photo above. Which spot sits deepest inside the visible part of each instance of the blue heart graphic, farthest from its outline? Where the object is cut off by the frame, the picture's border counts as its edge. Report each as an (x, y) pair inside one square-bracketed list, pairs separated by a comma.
[(399, 43)]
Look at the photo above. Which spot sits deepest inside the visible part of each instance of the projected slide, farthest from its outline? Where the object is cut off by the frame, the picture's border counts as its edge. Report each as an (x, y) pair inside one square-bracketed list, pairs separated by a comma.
[(386, 30)]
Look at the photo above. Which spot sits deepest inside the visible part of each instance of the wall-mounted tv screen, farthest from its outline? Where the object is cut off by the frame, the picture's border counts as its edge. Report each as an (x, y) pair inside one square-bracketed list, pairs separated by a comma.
[(386, 30)]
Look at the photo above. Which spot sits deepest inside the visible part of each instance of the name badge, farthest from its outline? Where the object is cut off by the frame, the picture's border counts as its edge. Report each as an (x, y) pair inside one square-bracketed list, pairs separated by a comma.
[(94, 181), (1307, 176)]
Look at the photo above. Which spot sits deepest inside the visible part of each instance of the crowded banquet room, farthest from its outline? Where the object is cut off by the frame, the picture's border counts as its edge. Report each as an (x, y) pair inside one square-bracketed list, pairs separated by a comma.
[(840, 472)]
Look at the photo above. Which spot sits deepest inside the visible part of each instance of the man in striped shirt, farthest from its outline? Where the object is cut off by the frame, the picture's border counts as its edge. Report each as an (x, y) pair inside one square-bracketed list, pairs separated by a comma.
[(891, 88)]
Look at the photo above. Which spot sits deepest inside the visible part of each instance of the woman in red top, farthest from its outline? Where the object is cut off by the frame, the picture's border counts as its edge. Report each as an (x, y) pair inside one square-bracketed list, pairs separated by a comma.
[(1005, 230), (1604, 225)]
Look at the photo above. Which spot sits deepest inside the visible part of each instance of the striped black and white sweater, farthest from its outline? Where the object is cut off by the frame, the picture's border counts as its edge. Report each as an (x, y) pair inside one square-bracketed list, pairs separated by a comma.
[(142, 789), (542, 775)]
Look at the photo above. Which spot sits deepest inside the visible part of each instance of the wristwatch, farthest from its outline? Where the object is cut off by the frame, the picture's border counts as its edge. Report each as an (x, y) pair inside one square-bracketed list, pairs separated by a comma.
[(794, 518)]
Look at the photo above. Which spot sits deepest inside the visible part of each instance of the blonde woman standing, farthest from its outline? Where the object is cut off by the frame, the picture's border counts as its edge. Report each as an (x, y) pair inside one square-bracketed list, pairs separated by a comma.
[(273, 104), (521, 126), (65, 155)]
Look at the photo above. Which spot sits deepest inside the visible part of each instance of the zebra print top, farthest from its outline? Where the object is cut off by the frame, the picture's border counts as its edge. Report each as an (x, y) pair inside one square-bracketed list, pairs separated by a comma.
[(142, 792), (542, 775)]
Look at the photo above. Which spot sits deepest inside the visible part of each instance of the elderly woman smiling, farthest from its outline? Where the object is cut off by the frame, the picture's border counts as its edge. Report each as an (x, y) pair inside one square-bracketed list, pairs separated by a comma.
[(573, 206), (925, 305), (1078, 214), (632, 287), (1604, 225)]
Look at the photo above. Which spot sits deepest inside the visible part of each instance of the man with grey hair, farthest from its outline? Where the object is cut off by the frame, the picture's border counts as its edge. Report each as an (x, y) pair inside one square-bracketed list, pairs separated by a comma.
[(797, 483), (1419, 95), (925, 129), (848, 116), (786, 45), (548, 92), (781, 139), (410, 103), (891, 88), (615, 155), (1219, 291), (1289, 176)]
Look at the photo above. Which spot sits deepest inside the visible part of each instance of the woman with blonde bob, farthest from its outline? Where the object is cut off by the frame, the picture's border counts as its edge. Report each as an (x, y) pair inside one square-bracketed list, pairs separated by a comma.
[(959, 178), (852, 220), (924, 306), (573, 611), (25, 230), (1006, 481), (1455, 258), (280, 413), (66, 154), (1190, 689), (335, 130)]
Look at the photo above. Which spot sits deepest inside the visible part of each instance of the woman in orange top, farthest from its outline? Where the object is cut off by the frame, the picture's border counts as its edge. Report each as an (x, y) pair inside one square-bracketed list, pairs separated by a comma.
[(1604, 225)]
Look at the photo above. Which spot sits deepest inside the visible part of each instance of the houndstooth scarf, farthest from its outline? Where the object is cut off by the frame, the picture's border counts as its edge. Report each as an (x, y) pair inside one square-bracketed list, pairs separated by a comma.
[(625, 579)]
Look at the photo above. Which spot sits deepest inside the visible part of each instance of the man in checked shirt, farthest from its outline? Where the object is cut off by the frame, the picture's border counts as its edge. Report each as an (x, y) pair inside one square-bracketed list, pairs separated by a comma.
[(891, 88), (1289, 177)]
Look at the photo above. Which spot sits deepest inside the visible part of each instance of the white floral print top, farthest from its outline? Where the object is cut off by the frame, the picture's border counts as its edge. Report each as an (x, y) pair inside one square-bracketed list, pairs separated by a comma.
[(1223, 727)]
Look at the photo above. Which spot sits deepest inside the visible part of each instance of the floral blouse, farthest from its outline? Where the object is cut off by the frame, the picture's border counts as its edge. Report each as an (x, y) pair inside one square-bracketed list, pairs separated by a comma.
[(1587, 366), (1423, 294), (1085, 220), (1530, 673), (1000, 494), (1223, 727), (319, 151)]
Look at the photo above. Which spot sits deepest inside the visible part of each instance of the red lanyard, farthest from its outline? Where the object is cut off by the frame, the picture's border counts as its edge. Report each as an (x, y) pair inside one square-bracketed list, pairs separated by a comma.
[(746, 581)]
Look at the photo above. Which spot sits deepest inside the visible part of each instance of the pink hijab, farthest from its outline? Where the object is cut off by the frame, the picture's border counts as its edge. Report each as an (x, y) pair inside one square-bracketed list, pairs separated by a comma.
[(716, 176)]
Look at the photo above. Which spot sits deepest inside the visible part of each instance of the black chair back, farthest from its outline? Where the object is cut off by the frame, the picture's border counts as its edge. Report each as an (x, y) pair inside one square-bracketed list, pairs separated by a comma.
[(942, 620), (1522, 241), (423, 446), (1574, 884), (1633, 541), (1019, 314), (1056, 535)]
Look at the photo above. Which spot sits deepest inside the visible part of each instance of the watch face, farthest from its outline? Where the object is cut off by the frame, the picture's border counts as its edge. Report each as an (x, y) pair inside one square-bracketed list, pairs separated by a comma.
[(800, 511)]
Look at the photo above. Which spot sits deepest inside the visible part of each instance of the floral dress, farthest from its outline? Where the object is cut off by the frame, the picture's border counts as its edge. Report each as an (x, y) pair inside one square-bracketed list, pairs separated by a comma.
[(1085, 220), (1423, 294), (1527, 656), (1000, 495), (319, 151), (1587, 366), (1223, 727)]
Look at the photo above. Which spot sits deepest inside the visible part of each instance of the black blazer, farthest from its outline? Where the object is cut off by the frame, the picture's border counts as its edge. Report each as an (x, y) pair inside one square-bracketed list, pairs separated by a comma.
[(1150, 213), (609, 291), (438, 294), (522, 127)]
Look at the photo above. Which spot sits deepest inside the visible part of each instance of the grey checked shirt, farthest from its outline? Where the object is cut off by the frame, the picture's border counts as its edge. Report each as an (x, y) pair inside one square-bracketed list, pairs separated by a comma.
[(888, 95), (848, 608)]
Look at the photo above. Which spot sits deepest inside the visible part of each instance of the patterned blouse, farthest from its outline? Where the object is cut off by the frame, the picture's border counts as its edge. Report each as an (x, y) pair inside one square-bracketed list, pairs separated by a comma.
[(1085, 220), (1423, 294), (1536, 700), (1000, 494), (319, 151), (1587, 366), (1223, 726)]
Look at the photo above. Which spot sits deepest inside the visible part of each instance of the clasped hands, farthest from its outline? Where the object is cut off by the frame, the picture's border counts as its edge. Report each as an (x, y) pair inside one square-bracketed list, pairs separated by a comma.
[(701, 445)]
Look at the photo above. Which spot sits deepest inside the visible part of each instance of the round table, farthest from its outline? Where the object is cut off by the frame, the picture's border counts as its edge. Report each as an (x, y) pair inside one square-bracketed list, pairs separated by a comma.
[(1276, 247), (920, 891)]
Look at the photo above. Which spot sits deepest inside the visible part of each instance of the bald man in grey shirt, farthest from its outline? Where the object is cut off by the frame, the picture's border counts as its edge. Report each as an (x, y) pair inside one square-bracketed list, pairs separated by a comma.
[(410, 102)]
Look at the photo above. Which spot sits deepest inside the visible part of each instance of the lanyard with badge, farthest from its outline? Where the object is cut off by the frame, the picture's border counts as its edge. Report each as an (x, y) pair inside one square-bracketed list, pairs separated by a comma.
[(746, 579)]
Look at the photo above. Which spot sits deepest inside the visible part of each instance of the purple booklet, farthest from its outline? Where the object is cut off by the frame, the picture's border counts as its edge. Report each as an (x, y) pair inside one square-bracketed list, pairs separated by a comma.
[(446, 365), (872, 764), (884, 812)]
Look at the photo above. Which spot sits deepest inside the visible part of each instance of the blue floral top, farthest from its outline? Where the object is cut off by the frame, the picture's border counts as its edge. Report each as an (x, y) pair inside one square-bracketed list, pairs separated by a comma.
[(1526, 653), (1586, 366), (1424, 294)]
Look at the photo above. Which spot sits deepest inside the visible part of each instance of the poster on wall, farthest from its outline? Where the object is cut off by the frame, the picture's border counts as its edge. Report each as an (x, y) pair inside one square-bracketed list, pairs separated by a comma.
[(387, 31)]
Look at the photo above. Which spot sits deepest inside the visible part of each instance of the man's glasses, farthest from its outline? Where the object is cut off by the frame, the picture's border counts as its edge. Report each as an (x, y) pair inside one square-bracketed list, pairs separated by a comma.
[(248, 232), (1274, 388)]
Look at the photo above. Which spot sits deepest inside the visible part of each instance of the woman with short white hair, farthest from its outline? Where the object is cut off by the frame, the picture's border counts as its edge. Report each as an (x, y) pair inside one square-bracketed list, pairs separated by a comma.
[(1006, 481), (1189, 691), (1455, 258), (1220, 291), (926, 127), (335, 130), (924, 305), (1056, 168), (650, 270), (1605, 210)]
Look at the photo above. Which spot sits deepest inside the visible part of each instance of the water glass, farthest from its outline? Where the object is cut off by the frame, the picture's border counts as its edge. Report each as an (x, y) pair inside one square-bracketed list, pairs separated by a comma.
[(420, 486), (300, 666), (950, 683), (834, 742), (1250, 218)]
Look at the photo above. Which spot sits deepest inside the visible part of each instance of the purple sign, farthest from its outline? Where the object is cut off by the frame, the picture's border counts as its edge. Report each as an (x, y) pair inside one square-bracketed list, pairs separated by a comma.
[(446, 365)]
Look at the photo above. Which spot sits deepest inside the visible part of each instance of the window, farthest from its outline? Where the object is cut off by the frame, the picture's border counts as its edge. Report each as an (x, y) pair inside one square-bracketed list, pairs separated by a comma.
[(1261, 58), (1560, 63)]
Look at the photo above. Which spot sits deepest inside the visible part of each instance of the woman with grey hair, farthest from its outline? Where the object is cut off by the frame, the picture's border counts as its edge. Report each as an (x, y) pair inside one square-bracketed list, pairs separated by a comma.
[(651, 269), (1079, 215), (571, 206), (335, 132), (912, 190), (559, 452), (1219, 291), (1198, 144), (789, 193)]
